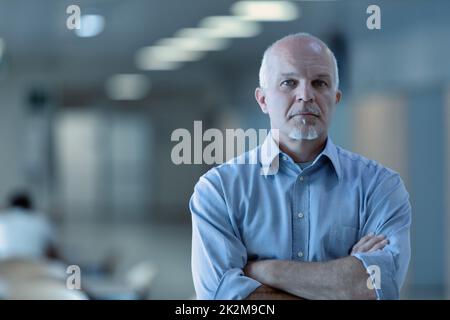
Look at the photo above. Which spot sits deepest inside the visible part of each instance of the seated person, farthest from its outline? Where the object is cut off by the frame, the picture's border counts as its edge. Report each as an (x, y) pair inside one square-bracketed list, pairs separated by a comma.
[(25, 233)]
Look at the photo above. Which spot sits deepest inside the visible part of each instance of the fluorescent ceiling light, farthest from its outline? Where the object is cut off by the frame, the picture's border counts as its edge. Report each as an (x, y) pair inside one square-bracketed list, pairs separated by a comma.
[(196, 33), (143, 63), (127, 86), (230, 27), (265, 10), (2, 48), (90, 26), (195, 43), (165, 55)]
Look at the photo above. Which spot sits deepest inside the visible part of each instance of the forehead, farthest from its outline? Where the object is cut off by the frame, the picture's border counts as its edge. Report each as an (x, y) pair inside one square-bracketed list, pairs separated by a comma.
[(305, 58)]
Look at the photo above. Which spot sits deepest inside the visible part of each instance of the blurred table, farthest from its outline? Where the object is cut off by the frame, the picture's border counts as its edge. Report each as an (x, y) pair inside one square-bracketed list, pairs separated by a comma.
[(22, 279)]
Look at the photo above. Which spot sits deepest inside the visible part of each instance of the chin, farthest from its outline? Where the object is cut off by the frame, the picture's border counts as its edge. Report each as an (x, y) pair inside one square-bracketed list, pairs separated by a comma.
[(309, 133)]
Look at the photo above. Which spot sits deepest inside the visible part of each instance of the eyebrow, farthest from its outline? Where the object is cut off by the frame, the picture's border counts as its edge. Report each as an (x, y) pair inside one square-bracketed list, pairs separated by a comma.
[(322, 75), (288, 74)]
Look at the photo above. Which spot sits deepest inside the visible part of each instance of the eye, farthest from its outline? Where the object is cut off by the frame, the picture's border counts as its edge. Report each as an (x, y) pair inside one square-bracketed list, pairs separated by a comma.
[(288, 83), (319, 84)]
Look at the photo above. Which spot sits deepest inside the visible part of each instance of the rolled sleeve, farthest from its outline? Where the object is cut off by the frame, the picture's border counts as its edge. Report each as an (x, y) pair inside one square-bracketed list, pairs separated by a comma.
[(218, 254), (390, 215), (235, 286), (388, 288)]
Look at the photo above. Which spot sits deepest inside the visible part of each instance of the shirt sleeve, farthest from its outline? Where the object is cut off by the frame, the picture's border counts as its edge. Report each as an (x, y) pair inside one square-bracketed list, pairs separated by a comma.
[(218, 254), (389, 213)]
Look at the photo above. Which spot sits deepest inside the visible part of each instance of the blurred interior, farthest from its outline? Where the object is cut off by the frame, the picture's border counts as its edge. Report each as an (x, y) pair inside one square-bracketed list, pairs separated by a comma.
[(96, 157)]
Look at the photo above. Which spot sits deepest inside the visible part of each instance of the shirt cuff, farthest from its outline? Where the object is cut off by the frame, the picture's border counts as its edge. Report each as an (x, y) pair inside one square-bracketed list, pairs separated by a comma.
[(234, 285), (381, 267)]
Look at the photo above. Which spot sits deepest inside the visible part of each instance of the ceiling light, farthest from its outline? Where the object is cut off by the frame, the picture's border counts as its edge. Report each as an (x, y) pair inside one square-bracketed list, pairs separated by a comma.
[(230, 27), (90, 26), (127, 86), (195, 43), (195, 33), (153, 55), (143, 63), (265, 10)]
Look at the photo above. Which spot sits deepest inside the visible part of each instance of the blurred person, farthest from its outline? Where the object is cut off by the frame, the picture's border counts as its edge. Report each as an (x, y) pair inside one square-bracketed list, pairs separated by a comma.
[(24, 232), (310, 219)]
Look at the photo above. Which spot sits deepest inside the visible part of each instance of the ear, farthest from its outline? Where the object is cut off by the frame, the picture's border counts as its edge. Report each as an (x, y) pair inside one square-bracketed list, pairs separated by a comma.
[(261, 99), (338, 96)]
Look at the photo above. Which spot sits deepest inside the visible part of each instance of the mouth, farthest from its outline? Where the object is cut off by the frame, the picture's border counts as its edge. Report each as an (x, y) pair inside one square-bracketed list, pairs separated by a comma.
[(304, 114)]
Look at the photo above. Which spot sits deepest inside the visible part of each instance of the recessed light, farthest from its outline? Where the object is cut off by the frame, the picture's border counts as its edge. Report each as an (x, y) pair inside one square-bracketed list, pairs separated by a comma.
[(90, 25)]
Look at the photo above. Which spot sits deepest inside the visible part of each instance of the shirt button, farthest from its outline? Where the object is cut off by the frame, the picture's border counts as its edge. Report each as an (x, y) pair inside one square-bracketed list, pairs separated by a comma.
[(284, 158), (301, 178), (300, 254), (300, 215)]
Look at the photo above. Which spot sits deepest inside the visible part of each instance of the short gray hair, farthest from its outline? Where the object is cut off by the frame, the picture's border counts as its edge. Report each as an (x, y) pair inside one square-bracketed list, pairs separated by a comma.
[(264, 69)]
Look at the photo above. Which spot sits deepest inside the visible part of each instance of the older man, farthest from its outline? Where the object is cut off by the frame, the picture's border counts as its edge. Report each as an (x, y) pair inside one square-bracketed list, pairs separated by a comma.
[(320, 219)]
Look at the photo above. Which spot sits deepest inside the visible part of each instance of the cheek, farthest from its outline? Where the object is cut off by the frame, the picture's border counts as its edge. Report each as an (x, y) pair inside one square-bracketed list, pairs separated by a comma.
[(325, 105), (278, 105)]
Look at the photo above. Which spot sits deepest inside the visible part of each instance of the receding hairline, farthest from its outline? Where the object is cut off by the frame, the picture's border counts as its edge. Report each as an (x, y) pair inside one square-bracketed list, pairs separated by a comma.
[(263, 71)]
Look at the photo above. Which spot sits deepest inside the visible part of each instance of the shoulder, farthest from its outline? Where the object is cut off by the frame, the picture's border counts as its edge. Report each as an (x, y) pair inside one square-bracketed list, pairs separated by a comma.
[(241, 166), (375, 180), (235, 170), (354, 163)]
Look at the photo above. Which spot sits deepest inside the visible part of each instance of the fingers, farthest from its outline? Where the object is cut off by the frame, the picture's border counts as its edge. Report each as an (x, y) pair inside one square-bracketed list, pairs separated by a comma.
[(370, 243), (248, 268), (366, 237), (361, 242), (379, 245)]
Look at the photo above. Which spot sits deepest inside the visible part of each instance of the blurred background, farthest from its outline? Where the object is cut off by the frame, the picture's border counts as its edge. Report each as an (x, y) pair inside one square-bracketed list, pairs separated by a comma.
[(86, 117)]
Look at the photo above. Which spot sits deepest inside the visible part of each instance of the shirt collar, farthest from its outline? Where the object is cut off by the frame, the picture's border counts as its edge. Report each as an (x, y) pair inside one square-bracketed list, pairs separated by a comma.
[(270, 154), (331, 152)]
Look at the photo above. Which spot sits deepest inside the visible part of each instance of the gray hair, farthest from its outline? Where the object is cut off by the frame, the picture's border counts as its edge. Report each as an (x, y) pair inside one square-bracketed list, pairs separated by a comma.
[(264, 69)]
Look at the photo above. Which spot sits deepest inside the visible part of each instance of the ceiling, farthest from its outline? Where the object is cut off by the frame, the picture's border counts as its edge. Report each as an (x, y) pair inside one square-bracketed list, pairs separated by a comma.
[(38, 41)]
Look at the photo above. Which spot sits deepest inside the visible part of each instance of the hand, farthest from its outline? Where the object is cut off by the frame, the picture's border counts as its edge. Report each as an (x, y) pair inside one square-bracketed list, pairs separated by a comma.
[(370, 243), (250, 269)]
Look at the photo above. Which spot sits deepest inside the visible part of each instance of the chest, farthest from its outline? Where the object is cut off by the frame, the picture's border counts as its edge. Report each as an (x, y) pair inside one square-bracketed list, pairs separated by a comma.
[(300, 219)]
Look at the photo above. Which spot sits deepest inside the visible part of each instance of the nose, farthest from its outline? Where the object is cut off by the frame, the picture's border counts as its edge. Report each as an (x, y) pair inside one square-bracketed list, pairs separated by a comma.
[(304, 92)]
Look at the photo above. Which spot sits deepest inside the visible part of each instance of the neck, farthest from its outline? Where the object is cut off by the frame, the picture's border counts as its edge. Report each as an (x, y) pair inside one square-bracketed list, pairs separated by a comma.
[(302, 150)]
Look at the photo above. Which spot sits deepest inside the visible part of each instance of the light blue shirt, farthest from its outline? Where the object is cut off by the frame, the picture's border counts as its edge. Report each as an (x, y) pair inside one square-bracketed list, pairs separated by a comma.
[(272, 209)]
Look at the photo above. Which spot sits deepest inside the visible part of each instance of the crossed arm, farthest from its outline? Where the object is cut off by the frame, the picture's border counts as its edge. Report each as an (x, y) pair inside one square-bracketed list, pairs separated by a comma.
[(344, 278), (221, 269)]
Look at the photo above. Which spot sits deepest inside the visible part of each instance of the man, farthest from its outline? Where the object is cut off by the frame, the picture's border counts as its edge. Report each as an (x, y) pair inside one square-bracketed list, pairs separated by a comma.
[(309, 219), (25, 233)]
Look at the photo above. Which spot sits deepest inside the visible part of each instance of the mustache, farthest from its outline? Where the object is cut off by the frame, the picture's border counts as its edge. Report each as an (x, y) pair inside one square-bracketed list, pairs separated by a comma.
[(307, 110)]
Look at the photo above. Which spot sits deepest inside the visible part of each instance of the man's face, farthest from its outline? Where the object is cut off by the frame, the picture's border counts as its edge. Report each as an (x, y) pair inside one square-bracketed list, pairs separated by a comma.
[(300, 92)]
